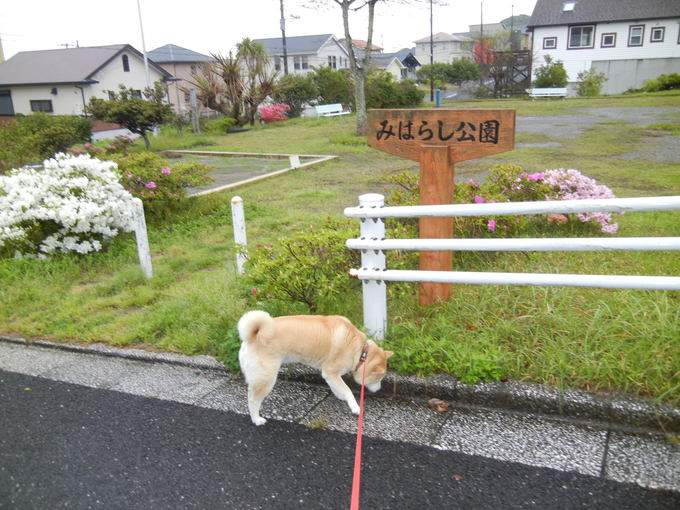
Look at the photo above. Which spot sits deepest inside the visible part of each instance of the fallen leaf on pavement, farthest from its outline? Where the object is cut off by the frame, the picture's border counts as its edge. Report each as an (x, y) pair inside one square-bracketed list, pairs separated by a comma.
[(438, 405)]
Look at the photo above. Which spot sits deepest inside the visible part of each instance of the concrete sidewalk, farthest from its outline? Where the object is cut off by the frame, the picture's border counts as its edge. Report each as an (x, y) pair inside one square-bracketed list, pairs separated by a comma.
[(614, 438)]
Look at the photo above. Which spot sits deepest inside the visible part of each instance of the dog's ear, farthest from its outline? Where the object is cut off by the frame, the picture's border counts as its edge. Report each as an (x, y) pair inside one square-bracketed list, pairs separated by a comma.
[(388, 354)]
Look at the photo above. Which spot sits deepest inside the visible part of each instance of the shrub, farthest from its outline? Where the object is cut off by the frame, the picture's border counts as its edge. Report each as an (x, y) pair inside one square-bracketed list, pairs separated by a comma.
[(383, 92), (221, 126), (308, 269), (509, 183), (296, 90), (32, 138), (590, 82), (334, 86), (154, 179), (72, 204), (662, 82), (573, 185), (551, 74), (274, 112), (120, 144)]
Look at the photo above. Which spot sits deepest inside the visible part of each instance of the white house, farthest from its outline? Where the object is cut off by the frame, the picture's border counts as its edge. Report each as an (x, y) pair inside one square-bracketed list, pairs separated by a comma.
[(390, 63), (62, 81), (446, 48), (629, 41), (306, 53)]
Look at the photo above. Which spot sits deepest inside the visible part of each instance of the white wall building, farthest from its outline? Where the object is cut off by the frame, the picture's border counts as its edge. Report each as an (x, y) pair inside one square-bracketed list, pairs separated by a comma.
[(61, 82), (306, 53), (446, 48), (629, 41)]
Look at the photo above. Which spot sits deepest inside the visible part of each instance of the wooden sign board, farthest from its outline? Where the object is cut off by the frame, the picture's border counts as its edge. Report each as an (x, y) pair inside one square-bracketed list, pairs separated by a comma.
[(437, 139), (469, 134)]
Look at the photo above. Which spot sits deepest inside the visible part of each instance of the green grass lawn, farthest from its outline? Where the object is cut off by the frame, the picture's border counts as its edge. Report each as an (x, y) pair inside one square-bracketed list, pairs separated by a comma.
[(602, 340)]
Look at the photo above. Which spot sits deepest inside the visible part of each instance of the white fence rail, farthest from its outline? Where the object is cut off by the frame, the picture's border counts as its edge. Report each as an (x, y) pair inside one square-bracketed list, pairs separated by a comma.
[(372, 243)]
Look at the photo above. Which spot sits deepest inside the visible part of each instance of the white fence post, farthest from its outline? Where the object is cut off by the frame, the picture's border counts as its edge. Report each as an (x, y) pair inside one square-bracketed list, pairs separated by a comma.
[(374, 291), (294, 160), (143, 249), (239, 223)]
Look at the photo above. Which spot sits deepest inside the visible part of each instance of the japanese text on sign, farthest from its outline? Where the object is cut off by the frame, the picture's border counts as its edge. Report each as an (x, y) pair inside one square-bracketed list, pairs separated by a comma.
[(483, 132)]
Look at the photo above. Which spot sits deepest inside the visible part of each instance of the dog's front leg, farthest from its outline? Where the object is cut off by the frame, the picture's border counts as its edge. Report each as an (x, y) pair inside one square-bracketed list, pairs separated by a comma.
[(340, 389)]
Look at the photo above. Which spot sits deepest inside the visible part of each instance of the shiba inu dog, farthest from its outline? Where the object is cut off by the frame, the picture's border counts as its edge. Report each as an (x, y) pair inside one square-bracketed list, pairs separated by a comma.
[(330, 343)]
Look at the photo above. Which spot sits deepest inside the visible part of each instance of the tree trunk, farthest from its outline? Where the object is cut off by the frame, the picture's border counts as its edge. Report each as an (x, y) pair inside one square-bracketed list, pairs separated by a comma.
[(147, 142), (359, 68)]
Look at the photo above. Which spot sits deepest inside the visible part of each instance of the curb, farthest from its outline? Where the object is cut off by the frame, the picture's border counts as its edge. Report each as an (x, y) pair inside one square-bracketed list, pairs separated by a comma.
[(611, 410)]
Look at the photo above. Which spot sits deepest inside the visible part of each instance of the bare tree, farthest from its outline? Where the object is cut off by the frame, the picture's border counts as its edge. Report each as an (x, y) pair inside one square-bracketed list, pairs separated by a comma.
[(360, 64)]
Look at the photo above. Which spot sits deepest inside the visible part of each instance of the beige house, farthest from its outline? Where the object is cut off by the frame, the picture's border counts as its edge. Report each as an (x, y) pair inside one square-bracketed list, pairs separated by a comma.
[(446, 48), (62, 81), (183, 64)]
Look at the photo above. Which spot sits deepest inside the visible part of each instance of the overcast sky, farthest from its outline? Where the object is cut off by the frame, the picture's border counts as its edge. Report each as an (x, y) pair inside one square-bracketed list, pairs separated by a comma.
[(217, 25)]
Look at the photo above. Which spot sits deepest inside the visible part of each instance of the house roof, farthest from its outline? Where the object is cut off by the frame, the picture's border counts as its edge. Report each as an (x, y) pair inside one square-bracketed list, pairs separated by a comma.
[(362, 45), (444, 37), (296, 44), (549, 12), (171, 53), (384, 60), (406, 56), (69, 65)]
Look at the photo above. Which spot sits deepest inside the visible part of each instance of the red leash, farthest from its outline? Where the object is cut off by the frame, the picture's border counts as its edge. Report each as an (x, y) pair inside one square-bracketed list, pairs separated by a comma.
[(356, 480)]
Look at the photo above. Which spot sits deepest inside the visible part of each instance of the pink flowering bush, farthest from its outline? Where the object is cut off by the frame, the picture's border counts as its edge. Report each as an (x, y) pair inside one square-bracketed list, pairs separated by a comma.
[(120, 144), (157, 181), (509, 183), (274, 113), (573, 185)]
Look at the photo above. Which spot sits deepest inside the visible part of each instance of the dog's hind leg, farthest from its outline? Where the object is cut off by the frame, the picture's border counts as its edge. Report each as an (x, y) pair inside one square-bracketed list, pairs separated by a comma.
[(340, 389), (258, 389)]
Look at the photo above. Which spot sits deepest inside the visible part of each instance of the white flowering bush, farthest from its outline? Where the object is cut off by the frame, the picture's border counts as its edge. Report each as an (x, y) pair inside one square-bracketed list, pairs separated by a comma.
[(72, 204)]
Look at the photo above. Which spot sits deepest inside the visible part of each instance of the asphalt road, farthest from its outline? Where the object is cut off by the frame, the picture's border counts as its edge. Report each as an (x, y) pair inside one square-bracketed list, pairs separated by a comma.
[(69, 446)]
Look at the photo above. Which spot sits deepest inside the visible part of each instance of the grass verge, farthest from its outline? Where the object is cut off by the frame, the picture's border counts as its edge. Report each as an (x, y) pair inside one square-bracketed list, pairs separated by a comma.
[(601, 340)]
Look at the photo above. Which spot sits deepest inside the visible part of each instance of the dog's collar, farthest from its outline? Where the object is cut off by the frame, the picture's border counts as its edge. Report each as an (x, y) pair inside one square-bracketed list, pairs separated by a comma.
[(362, 358)]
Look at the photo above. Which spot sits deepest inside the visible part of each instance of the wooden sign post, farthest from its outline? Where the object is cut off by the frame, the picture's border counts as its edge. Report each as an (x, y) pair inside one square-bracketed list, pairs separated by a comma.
[(437, 139)]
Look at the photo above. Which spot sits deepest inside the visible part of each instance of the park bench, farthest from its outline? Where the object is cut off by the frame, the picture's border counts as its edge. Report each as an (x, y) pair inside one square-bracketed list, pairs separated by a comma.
[(329, 110), (547, 92)]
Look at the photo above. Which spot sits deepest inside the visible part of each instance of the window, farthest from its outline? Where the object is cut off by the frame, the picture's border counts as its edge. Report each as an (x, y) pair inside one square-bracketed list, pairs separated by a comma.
[(657, 34), (126, 64), (41, 105), (194, 69), (568, 6), (277, 63), (635, 35), (137, 94), (300, 62), (332, 62), (608, 40), (581, 36), (549, 43)]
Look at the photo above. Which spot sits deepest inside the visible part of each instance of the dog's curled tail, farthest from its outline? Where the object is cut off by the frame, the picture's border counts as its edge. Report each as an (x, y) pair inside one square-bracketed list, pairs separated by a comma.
[(252, 323)]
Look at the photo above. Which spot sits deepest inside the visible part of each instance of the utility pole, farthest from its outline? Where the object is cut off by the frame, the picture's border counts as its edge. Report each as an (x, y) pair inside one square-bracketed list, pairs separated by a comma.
[(283, 39), (482, 50), (431, 57), (146, 60)]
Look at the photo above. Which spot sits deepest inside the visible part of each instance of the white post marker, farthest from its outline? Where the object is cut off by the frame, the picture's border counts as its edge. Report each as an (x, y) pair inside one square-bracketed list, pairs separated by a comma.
[(294, 160), (238, 221), (374, 291), (143, 249)]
